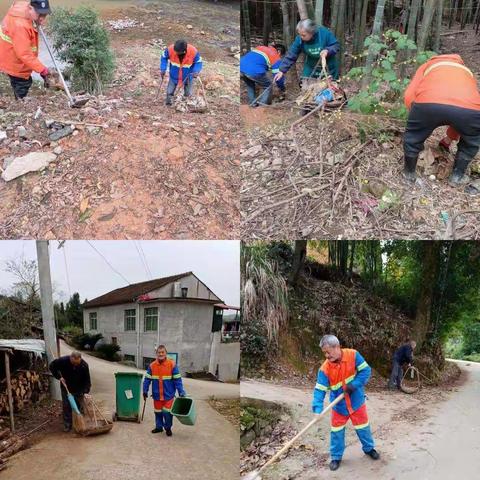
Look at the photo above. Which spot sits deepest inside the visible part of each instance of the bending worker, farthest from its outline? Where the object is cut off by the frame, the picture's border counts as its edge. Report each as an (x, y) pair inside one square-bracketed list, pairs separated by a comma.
[(19, 44), (443, 92), (254, 70), (73, 372), (165, 378), (403, 354), (344, 371), (185, 65), (316, 43)]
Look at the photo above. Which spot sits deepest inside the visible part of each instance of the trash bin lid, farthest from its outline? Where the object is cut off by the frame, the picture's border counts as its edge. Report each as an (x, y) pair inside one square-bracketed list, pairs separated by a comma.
[(128, 374)]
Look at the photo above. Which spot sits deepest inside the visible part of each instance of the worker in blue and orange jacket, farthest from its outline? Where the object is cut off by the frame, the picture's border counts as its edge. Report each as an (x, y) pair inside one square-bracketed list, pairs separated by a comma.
[(443, 92), (165, 378), (185, 65), (344, 371), (254, 70), (19, 44)]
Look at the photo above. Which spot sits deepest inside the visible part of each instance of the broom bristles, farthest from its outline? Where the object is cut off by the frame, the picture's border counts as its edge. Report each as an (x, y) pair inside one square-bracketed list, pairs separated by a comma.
[(78, 422)]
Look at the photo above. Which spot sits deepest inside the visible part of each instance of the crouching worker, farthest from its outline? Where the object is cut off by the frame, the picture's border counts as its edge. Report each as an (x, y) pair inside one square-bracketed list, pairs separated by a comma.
[(19, 44), (73, 372), (254, 71), (165, 378), (344, 371), (185, 65), (443, 92)]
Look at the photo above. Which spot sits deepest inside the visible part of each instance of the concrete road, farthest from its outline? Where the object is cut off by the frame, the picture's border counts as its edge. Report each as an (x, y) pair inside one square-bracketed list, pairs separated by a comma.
[(428, 436), (207, 451)]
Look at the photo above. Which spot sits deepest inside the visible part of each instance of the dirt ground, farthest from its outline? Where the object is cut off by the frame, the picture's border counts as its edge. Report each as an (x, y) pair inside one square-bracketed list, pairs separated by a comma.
[(338, 175), (425, 435), (130, 450), (134, 168)]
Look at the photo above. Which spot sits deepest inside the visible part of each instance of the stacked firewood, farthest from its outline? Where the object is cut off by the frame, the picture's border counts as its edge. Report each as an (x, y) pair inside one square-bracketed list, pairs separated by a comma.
[(27, 386), (9, 444)]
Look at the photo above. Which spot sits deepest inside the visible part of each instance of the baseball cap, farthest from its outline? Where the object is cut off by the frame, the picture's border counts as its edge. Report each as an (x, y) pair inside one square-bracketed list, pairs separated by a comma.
[(41, 6)]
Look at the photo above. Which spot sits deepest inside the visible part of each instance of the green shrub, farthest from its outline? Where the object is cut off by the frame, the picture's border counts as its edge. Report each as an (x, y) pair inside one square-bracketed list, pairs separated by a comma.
[(471, 338), (109, 351), (82, 42), (72, 330), (86, 340), (384, 94)]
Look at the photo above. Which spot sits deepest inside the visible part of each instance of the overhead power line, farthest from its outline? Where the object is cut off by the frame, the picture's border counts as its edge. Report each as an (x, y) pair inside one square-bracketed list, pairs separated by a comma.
[(108, 263)]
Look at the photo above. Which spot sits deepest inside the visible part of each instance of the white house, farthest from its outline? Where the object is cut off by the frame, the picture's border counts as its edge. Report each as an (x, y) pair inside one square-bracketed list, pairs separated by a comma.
[(178, 311)]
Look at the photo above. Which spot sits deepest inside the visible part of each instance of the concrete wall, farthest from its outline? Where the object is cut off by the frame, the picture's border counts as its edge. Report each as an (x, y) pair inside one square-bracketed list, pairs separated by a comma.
[(196, 289), (184, 327), (225, 359)]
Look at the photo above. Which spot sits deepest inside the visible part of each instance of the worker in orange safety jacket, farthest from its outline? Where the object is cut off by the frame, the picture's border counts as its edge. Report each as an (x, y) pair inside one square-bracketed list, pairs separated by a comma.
[(344, 371), (443, 92), (19, 44), (165, 378)]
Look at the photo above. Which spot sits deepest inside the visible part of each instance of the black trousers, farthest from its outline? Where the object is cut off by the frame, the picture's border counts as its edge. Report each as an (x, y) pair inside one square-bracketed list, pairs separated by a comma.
[(20, 86), (424, 118), (67, 409)]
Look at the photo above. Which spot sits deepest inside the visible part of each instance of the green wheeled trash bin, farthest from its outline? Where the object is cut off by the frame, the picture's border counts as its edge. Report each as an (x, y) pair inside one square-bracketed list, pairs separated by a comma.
[(128, 388), (183, 408)]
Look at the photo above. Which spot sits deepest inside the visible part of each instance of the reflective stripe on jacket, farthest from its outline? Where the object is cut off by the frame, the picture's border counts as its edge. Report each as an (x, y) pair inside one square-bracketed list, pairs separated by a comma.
[(259, 61), (19, 43), (181, 71), (351, 370), (165, 379), (449, 83)]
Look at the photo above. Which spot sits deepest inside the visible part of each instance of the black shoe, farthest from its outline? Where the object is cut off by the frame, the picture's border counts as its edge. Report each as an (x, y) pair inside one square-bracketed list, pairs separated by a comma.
[(157, 430), (169, 101), (373, 454), (458, 176), (67, 428), (169, 432), (334, 464), (410, 165)]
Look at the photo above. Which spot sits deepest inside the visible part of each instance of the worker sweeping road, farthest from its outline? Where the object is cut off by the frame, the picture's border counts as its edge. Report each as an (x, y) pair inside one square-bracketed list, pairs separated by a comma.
[(316, 43), (165, 378), (443, 92), (403, 354), (185, 65), (344, 371), (255, 67), (19, 44), (73, 372)]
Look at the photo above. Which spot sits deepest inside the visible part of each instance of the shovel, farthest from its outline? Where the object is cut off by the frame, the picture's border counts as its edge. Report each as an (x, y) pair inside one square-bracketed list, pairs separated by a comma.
[(72, 101), (159, 89), (143, 411), (256, 473)]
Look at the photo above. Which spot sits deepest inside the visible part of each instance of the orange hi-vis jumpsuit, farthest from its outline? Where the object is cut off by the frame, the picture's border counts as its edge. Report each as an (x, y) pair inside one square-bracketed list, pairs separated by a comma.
[(443, 92), (19, 48)]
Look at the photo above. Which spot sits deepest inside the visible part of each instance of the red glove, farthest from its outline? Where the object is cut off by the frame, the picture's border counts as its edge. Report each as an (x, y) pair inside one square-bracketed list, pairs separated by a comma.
[(44, 72)]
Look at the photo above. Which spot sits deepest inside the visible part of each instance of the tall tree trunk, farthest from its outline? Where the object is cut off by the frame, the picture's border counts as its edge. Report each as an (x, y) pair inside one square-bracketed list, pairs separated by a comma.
[(340, 32), (299, 255), (477, 13), (287, 33), (358, 34), (310, 9), (412, 19), (302, 9), (453, 14), (428, 12), (352, 256), (377, 28), (246, 25), (335, 8), (267, 22), (438, 28), (319, 12), (423, 317)]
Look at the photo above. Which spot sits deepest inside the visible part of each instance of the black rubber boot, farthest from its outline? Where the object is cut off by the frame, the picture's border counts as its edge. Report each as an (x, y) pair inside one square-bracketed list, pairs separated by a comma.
[(169, 432), (169, 100), (334, 464), (458, 176), (410, 165), (373, 454), (157, 430)]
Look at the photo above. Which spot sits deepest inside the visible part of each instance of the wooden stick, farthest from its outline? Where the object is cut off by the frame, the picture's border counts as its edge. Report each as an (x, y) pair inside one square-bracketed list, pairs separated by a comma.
[(302, 432), (9, 390)]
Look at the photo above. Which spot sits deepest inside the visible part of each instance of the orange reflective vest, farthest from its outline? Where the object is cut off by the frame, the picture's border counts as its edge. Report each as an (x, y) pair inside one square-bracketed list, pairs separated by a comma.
[(270, 55), (19, 43), (445, 80), (179, 70)]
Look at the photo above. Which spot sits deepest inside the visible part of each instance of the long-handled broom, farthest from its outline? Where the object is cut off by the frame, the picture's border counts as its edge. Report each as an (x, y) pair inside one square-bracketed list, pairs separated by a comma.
[(78, 420), (256, 473)]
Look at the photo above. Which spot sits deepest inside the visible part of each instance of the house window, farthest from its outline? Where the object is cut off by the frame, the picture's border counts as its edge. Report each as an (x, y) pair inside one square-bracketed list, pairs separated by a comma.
[(93, 320), (147, 361), (151, 319), (130, 317), (129, 358)]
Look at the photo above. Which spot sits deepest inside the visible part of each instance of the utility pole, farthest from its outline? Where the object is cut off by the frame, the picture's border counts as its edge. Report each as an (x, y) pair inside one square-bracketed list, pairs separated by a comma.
[(46, 300)]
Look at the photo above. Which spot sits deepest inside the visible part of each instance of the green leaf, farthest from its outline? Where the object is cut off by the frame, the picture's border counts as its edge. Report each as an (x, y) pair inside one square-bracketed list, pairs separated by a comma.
[(386, 65), (390, 76)]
